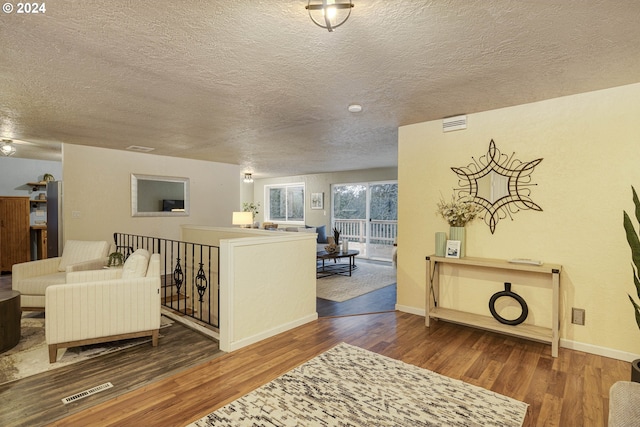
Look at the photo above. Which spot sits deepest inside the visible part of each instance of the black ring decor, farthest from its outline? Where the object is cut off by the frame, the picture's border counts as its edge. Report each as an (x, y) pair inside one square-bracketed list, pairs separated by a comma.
[(507, 293)]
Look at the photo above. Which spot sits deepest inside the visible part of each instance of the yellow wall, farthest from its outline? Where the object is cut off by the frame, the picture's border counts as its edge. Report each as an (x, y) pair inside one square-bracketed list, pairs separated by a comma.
[(590, 144), (97, 185)]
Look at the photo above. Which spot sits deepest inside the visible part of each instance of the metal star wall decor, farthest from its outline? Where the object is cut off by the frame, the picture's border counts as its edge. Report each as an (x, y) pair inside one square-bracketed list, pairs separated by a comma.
[(499, 183)]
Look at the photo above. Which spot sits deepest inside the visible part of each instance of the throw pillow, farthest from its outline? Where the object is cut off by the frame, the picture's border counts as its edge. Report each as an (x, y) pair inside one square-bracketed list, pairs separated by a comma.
[(136, 265), (322, 234)]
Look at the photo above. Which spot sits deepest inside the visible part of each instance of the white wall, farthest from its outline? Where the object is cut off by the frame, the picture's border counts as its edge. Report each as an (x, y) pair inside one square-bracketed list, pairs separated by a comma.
[(590, 149), (97, 192)]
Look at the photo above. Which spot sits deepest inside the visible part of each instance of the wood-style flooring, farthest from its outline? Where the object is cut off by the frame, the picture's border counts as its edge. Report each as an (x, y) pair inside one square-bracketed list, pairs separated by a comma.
[(36, 400), (570, 390), (374, 302)]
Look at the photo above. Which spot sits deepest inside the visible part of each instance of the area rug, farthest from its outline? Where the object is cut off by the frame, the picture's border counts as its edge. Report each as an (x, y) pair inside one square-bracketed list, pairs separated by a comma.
[(364, 279), (31, 355), (350, 386)]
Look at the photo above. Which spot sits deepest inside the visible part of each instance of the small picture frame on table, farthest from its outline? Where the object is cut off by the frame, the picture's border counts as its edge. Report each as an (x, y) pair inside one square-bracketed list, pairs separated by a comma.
[(317, 200), (453, 249)]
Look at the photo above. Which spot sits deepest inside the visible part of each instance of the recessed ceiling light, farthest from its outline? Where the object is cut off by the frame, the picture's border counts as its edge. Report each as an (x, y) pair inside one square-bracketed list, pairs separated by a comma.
[(355, 108)]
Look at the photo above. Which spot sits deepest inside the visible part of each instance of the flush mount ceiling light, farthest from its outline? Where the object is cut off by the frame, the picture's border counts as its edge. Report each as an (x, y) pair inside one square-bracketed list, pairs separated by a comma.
[(355, 108), (7, 148), (248, 178), (329, 14)]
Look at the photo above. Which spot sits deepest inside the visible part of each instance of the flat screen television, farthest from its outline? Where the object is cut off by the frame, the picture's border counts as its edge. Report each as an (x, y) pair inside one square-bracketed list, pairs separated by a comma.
[(169, 205)]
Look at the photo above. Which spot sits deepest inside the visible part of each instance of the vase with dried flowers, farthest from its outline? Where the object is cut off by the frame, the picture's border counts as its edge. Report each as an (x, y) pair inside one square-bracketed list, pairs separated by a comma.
[(458, 213)]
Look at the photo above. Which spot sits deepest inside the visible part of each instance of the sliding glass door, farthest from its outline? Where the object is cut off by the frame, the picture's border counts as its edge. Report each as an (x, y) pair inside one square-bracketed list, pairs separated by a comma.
[(367, 215)]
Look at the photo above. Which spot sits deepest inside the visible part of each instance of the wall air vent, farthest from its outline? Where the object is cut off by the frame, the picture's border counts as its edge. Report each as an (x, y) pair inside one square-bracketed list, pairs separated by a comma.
[(140, 148), (450, 124)]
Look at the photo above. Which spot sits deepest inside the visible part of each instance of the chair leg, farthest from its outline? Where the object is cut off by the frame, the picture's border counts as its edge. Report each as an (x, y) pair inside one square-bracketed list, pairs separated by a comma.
[(154, 338), (53, 353)]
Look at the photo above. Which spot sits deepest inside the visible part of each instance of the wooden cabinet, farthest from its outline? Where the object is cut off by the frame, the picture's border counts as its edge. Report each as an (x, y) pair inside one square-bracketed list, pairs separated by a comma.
[(536, 333), (14, 231)]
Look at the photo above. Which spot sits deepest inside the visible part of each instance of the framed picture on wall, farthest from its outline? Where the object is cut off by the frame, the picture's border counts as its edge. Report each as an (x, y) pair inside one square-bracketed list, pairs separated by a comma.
[(453, 249), (317, 200)]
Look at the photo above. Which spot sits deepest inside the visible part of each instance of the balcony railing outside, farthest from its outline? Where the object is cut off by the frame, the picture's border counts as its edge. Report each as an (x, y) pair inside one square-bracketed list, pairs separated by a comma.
[(189, 274), (381, 239)]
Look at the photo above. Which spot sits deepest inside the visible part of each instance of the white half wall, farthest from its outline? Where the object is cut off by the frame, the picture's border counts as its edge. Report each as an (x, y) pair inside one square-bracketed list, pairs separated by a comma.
[(267, 281)]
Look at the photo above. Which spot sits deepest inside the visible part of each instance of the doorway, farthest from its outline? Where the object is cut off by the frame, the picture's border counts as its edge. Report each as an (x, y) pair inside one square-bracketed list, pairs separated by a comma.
[(366, 214)]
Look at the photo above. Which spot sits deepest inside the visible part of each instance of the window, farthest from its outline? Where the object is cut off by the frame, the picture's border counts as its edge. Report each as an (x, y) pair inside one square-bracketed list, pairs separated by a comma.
[(285, 202)]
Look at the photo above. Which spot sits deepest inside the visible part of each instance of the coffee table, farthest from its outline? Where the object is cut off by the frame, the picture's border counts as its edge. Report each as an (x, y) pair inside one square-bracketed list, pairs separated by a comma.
[(10, 314), (334, 268)]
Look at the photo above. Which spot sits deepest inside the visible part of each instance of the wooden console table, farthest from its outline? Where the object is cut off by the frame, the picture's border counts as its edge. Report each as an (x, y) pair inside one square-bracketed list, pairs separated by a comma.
[(537, 333)]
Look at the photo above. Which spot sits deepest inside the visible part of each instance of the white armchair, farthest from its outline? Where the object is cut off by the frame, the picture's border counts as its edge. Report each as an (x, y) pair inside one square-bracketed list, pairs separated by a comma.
[(32, 278), (105, 305)]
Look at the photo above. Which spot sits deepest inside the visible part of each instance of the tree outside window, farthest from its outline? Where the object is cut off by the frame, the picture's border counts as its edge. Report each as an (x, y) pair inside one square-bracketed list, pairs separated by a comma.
[(285, 203)]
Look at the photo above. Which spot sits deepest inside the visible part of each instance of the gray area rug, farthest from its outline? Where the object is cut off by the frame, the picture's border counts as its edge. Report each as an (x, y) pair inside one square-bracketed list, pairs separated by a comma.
[(31, 355), (366, 278), (350, 386)]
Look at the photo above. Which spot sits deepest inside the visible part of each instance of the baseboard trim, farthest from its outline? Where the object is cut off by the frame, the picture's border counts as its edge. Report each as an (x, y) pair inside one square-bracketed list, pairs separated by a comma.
[(411, 310), (598, 350), (236, 345), (564, 343)]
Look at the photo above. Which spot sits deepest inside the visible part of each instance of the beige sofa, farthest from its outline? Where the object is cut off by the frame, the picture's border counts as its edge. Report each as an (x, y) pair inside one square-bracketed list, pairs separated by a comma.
[(32, 278), (105, 305)]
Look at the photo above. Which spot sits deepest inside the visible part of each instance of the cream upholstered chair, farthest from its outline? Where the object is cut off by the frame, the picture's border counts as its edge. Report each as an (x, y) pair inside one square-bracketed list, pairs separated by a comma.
[(105, 305), (32, 278)]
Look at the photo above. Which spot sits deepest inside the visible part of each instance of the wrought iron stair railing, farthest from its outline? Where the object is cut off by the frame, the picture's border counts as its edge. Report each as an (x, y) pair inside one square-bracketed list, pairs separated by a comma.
[(190, 282)]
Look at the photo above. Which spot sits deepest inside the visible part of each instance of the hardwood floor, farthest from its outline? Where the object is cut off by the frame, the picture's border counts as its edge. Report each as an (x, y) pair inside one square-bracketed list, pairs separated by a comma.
[(374, 302), (570, 390), (36, 400)]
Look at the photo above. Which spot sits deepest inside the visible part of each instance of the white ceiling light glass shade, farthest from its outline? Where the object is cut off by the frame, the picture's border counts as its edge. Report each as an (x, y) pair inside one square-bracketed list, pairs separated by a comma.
[(7, 148), (248, 178), (329, 14)]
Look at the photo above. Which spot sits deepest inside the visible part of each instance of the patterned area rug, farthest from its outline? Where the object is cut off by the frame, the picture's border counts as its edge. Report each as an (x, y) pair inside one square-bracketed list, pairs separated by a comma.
[(31, 355), (366, 278), (349, 386)]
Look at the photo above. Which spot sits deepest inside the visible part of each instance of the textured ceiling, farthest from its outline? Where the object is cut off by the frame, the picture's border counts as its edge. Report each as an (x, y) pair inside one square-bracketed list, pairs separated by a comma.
[(256, 83)]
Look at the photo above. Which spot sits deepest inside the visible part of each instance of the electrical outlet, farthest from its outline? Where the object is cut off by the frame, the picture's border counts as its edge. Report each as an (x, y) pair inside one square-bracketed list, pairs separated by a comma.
[(577, 316)]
